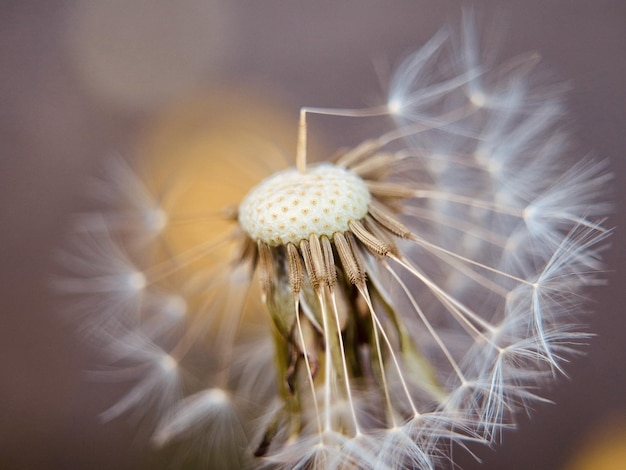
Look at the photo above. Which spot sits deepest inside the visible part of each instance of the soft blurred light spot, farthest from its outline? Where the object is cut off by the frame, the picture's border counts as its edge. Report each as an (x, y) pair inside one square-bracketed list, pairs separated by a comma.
[(395, 107), (175, 307), (138, 54), (156, 220), (604, 449), (203, 155), (136, 281)]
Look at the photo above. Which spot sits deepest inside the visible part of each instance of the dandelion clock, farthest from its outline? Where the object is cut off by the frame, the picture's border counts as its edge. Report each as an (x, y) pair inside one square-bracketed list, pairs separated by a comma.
[(415, 292)]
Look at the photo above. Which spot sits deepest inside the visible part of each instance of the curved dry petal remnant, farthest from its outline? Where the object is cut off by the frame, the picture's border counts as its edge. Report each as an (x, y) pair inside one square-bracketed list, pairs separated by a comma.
[(365, 312)]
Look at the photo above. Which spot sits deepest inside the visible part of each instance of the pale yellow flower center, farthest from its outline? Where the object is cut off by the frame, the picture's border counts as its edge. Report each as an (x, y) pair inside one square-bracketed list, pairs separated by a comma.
[(290, 206)]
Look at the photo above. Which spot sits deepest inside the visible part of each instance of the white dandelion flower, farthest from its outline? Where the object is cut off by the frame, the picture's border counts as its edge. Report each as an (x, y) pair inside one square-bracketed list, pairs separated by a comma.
[(366, 312)]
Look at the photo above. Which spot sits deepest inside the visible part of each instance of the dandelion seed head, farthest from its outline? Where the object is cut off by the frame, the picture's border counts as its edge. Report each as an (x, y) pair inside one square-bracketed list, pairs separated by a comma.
[(291, 206), (365, 313)]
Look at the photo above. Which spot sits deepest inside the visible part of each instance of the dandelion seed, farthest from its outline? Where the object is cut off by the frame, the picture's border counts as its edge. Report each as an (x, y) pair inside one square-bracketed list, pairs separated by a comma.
[(365, 312)]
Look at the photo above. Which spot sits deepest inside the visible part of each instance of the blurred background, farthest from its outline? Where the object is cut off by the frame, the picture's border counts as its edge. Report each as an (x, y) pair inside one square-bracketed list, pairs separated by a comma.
[(82, 80)]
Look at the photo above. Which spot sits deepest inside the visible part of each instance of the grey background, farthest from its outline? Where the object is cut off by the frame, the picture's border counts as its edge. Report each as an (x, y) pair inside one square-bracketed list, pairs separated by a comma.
[(53, 132)]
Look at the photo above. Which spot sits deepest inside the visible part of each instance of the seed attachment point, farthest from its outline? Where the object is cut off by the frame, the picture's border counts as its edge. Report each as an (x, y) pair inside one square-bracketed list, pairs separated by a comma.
[(292, 206)]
